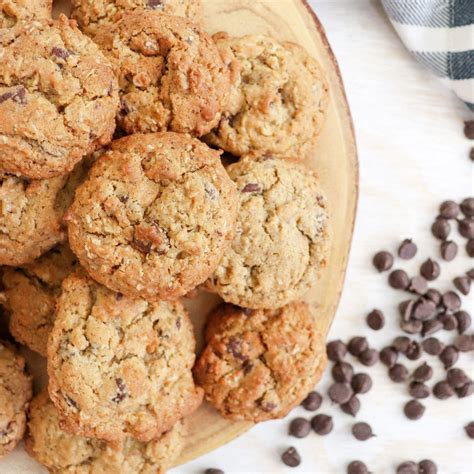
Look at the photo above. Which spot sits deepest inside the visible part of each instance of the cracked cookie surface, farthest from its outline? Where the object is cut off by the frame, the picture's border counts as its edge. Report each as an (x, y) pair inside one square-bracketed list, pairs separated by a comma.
[(58, 99), (15, 393), (31, 292), (119, 366), (62, 452), (171, 76), (94, 15), (13, 11), (154, 216), (259, 364), (281, 237), (278, 99)]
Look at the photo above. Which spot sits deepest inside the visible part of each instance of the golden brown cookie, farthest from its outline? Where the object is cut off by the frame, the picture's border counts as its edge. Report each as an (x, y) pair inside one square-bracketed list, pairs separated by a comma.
[(15, 393), (95, 15), (171, 76), (258, 365), (14, 11), (61, 452), (154, 216), (279, 96), (281, 238), (30, 295), (119, 366), (58, 99)]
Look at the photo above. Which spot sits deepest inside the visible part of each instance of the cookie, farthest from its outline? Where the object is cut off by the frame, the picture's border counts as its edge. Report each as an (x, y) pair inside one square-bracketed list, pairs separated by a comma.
[(171, 76), (15, 393), (62, 452), (154, 216), (258, 365), (278, 98), (119, 366), (30, 294), (14, 11), (58, 99), (95, 15), (281, 238)]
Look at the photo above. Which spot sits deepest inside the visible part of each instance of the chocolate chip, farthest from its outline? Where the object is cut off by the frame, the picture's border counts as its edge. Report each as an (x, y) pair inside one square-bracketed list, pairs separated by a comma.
[(406, 309), (60, 52), (442, 390), (430, 269), (388, 356), (6, 96), (431, 327), (212, 470), (467, 207), (383, 261), (351, 407), (369, 357), (121, 391), (376, 320), (449, 209), (299, 428), (407, 249), (418, 285), (449, 356), (357, 467), (466, 390), (336, 350), (469, 429), (464, 321), (119, 296), (357, 345), (414, 351), (466, 227), (401, 344), (18, 96), (462, 284), (72, 403), (312, 402), (451, 301), (342, 372), (408, 467), (414, 410), (457, 378), (434, 296), (449, 250), (418, 390), (362, 431), (469, 129), (427, 467), (411, 327), (470, 248), (399, 280), (291, 457), (441, 228), (424, 309), (432, 346), (340, 393), (322, 424), (252, 188), (234, 347), (398, 373), (449, 322), (361, 383), (464, 343), (158, 4), (423, 373)]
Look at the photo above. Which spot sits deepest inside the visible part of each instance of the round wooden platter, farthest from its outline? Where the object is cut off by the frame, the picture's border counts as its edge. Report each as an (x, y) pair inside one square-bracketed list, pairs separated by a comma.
[(335, 158)]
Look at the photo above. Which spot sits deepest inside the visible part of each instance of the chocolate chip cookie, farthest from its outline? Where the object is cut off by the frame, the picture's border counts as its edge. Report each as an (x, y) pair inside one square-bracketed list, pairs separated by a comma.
[(30, 295), (62, 452), (154, 216), (15, 393), (14, 11), (281, 238), (171, 76), (119, 366), (279, 96), (258, 365), (58, 99), (95, 15)]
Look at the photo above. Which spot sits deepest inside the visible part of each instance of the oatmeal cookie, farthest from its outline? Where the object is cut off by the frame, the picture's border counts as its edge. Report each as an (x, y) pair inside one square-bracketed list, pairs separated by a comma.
[(64, 453), (281, 237), (58, 99), (15, 393), (30, 294), (277, 102), (171, 76), (14, 11), (95, 15), (259, 364), (154, 216), (119, 366)]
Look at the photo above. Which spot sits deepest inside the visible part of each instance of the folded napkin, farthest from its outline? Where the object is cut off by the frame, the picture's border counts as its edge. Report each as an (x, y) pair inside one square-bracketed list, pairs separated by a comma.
[(440, 34)]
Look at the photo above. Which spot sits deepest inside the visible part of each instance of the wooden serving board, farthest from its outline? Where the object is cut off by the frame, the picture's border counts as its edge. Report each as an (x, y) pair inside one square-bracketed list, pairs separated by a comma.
[(335, 158)]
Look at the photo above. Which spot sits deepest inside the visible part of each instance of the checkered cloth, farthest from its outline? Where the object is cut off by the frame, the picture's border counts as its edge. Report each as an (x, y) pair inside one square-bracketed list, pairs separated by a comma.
[(440, 34)]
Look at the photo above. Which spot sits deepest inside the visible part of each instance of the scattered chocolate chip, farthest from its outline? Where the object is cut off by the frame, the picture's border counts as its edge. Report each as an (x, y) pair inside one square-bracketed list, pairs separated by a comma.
[(383, 261), (463, 284), (427, 467), (418, 285), (398, 373), (369, 357), (118, 296), (411, 327), (357, 345), (406, 309), (414, 410), (466, 390), (449, 209), (212, 470), (414, 351), (464, 343), (299, 428), (72, 403), (408, 467), (60, 53), (434, 296), (418, 390), (362, 431), (457, 378), (342, 372), (431, 327), (469, 129), (449, 356), (451, 301), (340, 393), (442, 390), (399, 280), (449, 250), (121, 391), (351, 407), (322, 424), (252, 188), (234, 347), (388, 356), (357, 467), (18, 96), (430, 269), (312, 402), (155, 4), (361, 383), (376, 320), (291, 457), (424, 309), (6, 96), (336, 350), (441, 228), (423, 373), (407, 249), (466, 227), (401, 343), (432, 346), (449, 321), (467, 207), (464, 321), (470, 248), (469, 429)]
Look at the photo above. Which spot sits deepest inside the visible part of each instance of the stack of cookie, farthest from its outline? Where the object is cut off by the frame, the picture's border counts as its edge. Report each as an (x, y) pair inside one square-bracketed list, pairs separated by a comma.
[(115, 203)]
